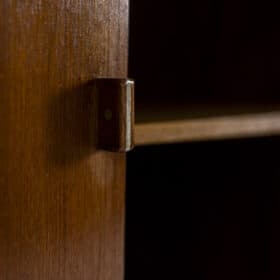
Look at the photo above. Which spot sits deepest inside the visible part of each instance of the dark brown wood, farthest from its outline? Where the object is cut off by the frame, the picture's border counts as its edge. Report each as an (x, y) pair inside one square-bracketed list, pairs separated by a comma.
[(185, 123), (61, 201), (115, 114)]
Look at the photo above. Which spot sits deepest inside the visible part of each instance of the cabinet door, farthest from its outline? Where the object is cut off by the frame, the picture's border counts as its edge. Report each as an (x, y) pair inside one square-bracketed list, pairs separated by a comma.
[(61, 200)]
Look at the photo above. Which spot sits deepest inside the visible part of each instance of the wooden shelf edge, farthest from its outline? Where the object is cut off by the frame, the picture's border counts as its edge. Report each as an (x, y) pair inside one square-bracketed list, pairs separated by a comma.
[(203, 129)]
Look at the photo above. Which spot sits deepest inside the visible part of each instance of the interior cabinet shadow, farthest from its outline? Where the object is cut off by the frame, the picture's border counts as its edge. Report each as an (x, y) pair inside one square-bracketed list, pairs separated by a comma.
[(204, 211), (205, 51)]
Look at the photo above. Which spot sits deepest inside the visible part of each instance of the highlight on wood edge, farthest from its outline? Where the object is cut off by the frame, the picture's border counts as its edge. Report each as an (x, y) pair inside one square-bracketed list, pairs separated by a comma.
[(212, 128)]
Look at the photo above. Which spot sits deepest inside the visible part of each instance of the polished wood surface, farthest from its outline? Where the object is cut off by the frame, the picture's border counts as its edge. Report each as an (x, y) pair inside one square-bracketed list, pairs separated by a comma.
[(61, 200), (163, 125)]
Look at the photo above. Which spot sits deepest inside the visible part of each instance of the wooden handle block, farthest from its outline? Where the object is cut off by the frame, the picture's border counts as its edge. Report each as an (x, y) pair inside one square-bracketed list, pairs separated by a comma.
[(115, 114)]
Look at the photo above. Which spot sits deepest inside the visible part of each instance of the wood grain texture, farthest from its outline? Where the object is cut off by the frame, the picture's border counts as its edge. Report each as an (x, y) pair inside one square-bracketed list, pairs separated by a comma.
[(207, 128), (61, 201)]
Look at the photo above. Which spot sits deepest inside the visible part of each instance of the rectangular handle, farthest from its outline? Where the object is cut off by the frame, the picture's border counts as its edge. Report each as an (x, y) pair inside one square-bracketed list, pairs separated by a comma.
[(115, 114)]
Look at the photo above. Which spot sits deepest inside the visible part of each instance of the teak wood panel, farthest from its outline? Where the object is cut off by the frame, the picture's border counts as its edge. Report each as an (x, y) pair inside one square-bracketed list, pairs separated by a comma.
[(61, 200)]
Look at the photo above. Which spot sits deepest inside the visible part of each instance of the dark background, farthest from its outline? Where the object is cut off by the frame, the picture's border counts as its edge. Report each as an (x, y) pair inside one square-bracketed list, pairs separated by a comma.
[(204, 210), (205, 50)]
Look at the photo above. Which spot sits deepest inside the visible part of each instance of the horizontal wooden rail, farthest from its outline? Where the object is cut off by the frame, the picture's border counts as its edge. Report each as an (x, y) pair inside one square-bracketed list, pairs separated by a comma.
[(208, 128)]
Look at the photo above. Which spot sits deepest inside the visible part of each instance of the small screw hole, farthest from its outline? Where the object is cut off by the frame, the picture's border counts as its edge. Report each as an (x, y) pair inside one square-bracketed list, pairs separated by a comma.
[(108, 115)]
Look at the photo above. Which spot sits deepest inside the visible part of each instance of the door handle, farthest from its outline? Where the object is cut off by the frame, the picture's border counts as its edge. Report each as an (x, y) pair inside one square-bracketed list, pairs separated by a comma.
[(115, 125)]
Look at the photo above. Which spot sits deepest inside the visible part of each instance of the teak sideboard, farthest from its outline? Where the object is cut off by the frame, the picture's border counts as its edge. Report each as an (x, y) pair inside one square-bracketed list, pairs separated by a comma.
[(198, 197)]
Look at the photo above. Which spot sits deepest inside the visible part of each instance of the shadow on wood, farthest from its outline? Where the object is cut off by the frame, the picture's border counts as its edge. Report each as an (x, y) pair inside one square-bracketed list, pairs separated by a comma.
[(72, 122)]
